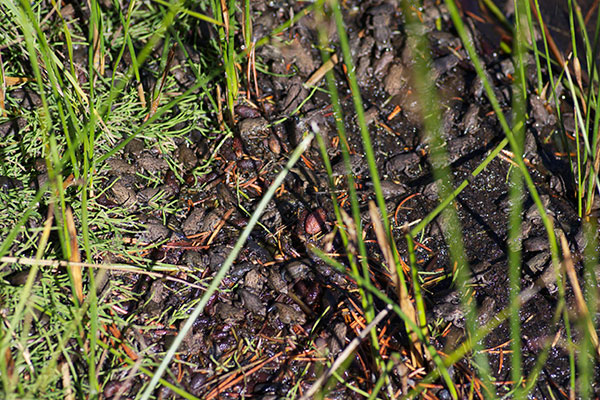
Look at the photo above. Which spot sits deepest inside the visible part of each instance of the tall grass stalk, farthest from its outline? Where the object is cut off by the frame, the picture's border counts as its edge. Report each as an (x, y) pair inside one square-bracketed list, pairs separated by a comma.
[(368, 149), (354, 234), (582, 160), (433, 135), (31, 30), (510, 136), (95, 67), (352, 257), (442, 365), (586, 160), (587, 358), (564, 140), (516, 195), (593, 106), (533, 42), (74, 117), (63, 104)]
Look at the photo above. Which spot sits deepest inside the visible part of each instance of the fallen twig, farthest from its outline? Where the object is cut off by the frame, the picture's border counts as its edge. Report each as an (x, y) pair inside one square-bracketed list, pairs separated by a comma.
[(122, 268)]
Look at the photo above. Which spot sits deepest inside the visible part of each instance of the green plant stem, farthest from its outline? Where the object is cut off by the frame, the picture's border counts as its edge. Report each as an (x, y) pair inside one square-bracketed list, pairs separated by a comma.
[(516, 196), (590, 263), (366, 299)]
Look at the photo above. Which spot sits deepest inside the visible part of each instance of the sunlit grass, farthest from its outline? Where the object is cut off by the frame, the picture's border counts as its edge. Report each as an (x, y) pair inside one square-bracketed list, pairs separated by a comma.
[(65, 133)]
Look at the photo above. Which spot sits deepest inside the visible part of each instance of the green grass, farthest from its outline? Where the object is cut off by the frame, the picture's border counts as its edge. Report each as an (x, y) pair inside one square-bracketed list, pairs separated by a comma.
[(69, 131), (89, 108)]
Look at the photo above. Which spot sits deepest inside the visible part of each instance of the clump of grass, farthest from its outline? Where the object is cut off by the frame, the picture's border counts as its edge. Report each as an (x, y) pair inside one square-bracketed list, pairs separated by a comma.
[(81, 116)]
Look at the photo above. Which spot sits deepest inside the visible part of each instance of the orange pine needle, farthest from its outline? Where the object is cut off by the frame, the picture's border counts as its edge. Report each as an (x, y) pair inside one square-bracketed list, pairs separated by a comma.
[(335, 142), (220, 225), (221, 388), (417, 244), (401, 204), (307, 162), (395, 112), (501, 362)]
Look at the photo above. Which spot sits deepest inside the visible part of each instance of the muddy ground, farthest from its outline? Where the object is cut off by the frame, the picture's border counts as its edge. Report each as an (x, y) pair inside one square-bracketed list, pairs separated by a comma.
[(282, 301)]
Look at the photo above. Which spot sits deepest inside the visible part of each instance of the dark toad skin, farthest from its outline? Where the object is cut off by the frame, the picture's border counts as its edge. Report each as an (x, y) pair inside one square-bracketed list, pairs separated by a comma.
[(391, 189), (402, 162), (357, 164), (380, 20)]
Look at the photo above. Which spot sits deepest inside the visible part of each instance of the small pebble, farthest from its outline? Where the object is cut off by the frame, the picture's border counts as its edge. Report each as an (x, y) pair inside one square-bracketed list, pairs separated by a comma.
[(315, 221)]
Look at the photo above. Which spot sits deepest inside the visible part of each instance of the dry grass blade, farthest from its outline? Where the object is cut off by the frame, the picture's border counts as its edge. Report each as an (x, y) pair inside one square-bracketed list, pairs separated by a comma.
[(141, 95), (577, 71), (66, 381), (320, 73), (253, 64), (2, 88), (351, 230), (156, 94), (10, 364), (383, 241), (98, 58), (579, 299), (225, 12), (121, 268), (75, 256), (416, 350), (13, 81)]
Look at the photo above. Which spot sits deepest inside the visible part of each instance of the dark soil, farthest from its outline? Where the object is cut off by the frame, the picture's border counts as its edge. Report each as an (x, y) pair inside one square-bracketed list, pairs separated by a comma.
[(282, 303)]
